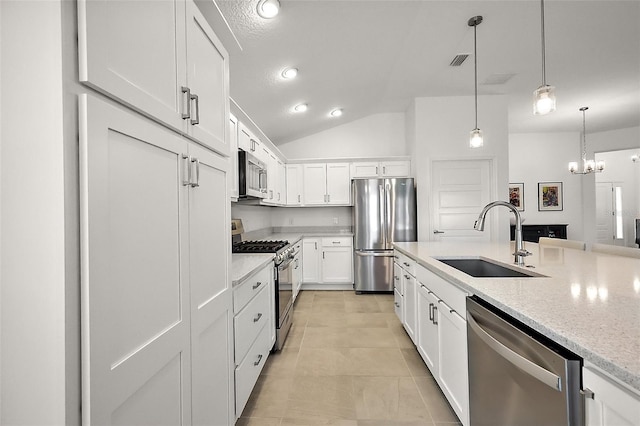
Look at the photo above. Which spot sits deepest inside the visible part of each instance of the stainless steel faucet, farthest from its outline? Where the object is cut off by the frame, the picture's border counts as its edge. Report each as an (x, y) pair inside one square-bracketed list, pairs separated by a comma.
[(520, 252)]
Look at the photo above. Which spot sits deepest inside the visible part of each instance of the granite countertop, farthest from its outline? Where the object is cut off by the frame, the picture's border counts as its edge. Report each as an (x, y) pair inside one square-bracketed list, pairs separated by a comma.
[(244, 265), (587, 302)]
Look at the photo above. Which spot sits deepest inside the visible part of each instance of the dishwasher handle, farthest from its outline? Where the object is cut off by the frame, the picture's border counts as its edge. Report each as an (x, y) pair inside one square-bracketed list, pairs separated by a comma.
[(545, 376)]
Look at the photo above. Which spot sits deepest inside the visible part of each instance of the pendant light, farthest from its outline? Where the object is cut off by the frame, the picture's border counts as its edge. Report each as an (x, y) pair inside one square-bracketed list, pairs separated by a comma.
[(475, 139), (588, 166), (544, 97)]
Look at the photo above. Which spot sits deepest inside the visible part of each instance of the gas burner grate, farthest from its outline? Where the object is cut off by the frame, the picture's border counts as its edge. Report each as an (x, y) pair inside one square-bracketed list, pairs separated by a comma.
[(258, 246)]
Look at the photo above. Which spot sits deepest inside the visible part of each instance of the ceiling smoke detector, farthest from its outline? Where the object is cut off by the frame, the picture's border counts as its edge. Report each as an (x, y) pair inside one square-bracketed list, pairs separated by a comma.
[(458, 59)]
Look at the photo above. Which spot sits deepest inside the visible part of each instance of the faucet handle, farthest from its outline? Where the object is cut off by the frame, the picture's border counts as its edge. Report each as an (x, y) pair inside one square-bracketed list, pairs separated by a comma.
[(523, 252)]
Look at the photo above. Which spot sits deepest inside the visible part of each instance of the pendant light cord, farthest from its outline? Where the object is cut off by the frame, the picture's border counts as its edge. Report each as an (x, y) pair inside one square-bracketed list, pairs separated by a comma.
[(544, 74), (584, 136), (475, 64)]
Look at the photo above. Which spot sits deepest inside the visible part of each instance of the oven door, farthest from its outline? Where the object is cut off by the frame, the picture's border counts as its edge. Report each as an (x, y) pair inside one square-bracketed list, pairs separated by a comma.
[(284, 301)]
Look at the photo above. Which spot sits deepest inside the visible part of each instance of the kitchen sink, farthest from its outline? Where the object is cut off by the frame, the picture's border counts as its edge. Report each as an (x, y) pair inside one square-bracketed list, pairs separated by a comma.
[(481, 268)]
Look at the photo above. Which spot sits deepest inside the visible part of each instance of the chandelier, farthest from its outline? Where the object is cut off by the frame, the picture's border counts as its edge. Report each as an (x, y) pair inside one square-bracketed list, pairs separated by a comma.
[(588, 166)]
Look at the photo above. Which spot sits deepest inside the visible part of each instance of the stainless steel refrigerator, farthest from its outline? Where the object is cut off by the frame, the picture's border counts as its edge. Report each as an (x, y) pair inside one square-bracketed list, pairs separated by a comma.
[(384, 212)]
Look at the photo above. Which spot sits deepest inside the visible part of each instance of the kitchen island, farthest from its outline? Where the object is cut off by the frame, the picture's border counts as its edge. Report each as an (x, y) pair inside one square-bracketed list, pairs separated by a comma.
[(587, 302)]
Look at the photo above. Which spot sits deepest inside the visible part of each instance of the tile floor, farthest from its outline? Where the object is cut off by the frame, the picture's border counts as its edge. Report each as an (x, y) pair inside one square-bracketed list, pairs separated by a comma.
[(347, 362)]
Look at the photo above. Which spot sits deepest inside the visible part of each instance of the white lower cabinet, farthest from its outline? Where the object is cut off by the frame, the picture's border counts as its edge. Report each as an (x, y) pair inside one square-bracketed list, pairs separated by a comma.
[(296, 276), (398, 292), (328, 262), (442, 338), (254, 331), (613, 404)]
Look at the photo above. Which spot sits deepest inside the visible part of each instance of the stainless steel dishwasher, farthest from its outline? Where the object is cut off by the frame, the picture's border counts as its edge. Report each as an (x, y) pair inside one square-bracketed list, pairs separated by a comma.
[(517, 377)]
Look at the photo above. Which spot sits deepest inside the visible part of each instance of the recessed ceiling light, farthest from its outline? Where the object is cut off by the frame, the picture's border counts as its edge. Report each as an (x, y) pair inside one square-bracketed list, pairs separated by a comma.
[(300, 108), (289, 73), (336, 112), (268, 8)]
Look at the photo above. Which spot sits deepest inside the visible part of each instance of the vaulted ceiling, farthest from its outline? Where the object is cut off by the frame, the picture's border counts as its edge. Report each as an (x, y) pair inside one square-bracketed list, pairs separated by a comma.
[(375, 56)]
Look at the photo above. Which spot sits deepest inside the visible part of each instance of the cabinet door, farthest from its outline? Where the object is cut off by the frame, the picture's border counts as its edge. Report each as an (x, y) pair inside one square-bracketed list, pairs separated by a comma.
[(315, 184), (397, 278), (294, 184), (428, 328), (338, 184), (245, 138), (612, 404), (337, 265), (453, 370), (297, 275), (234, 190), (208, 79), (115, 39), (410, 305), (281, 185), (136, 354), (395, 168), (364, 169), (310, 260), (211, 293)]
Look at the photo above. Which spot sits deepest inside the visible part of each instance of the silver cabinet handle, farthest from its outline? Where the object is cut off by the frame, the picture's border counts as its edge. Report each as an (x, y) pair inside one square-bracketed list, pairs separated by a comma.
[(406, 264), (587, 393), (256, 285), (407, 276), (384, 170), (258, 361), (435, 231), (397, 278), (196, 162), (527, 366), (298, 197), (271, 194), (186, 173), (323, 254), (257, 318), (197, 119), (316, 245), (435, 315), (186, 90), (328, 198), (396, 303)]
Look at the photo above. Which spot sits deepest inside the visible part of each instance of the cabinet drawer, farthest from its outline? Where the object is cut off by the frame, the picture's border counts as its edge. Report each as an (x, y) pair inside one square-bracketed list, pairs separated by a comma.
[(248, 323), (452, 295), (337, 242), (406, 263), (249, 288), (398, 303), (248, 371)]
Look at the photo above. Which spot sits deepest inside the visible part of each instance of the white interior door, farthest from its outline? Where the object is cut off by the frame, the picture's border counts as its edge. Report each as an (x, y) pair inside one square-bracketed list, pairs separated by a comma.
[(604, 213), (459, 191), (136, 360)]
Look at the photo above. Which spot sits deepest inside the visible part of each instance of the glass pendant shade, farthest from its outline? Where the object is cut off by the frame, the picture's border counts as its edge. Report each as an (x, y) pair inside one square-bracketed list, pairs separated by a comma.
[(544, 100), (475, 139)]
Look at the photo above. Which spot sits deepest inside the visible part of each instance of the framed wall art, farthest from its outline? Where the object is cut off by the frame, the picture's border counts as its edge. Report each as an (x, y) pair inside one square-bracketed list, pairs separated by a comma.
[(549, 196), (516, 195)]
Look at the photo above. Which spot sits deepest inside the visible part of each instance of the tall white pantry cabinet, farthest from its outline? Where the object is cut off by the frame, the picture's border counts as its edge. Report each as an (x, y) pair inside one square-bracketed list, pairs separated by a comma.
[(157, 311)]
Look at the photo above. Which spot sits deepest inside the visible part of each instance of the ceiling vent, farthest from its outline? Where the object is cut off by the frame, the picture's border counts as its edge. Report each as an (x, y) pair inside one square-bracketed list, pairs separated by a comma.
[(498, 79), (459, 59)]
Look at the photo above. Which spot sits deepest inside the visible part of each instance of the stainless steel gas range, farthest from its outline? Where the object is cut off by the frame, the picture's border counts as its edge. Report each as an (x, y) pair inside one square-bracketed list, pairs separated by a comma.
[(283, 266)]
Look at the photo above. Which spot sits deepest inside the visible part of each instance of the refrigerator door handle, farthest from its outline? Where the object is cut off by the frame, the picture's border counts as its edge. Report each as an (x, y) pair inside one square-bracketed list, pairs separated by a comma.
[(373, 254), (383, 215)]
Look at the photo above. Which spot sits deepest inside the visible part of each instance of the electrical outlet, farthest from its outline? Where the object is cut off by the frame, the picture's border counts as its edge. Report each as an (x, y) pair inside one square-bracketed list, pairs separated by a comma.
[(335, 220)]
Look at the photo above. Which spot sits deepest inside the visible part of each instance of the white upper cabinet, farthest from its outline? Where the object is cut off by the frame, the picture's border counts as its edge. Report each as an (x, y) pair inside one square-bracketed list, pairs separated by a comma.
[(234, 190), (185, 82), (327, 184), (294, 184), (372, 169)]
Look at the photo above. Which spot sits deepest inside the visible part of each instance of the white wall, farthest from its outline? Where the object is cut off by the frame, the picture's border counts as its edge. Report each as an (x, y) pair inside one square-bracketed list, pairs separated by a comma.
[(253, 218), (33, 217), (441, 127), (312, 216), (378, 135), (543, 157)]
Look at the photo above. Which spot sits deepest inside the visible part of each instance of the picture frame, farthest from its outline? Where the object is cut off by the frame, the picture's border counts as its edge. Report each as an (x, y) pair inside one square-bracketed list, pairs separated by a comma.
[(550, 196), (516, 195)]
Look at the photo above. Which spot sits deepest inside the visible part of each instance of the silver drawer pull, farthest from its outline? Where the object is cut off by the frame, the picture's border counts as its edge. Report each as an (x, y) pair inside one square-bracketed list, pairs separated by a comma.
[(335, 242), (395, 277), (396, 303), (405, 264), (258, 361), (407, 277), (256, 285), (257, 318)]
